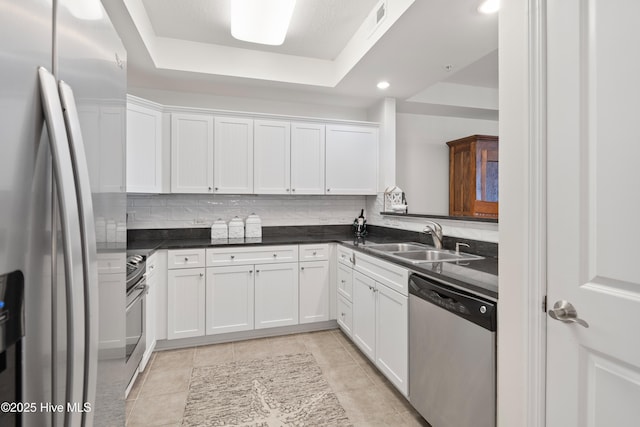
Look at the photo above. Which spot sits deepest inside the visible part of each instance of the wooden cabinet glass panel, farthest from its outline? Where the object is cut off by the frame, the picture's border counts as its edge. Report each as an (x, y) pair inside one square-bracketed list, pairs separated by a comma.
[(473, 176)]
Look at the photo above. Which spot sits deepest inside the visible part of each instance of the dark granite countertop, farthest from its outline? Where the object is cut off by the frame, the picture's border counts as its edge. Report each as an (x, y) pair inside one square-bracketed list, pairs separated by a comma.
[(479, 276)]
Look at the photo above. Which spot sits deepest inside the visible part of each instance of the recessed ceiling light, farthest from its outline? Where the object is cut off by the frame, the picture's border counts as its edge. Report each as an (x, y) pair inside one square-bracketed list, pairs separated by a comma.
[(261, 21), (489, 6), (383, 85)]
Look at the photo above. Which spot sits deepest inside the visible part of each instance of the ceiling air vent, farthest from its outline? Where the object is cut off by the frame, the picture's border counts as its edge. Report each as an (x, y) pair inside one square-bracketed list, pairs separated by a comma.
[(376, 16)]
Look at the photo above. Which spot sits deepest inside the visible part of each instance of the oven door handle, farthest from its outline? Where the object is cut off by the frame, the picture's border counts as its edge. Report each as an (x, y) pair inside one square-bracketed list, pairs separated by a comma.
[(143, 290)]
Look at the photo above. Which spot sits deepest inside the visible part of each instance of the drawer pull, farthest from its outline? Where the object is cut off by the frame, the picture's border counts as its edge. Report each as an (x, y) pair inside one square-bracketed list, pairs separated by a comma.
[(343, 314), (343, 281), (250, 271), (257, 271), (201, 274), (275, 255), (186, 259), (233, 257), (302, 268), (314, 253)]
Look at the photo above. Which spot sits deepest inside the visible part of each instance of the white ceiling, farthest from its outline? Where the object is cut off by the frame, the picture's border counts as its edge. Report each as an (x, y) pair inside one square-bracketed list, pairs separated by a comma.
[(318, 29), (329, 57)]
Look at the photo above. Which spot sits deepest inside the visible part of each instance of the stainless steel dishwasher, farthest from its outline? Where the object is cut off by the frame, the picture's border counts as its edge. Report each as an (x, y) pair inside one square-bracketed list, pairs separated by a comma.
[(452, 355)]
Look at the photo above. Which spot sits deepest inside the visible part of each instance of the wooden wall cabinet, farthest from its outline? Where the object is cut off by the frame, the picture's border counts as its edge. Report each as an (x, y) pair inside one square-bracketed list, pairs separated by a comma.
[(473, 176)]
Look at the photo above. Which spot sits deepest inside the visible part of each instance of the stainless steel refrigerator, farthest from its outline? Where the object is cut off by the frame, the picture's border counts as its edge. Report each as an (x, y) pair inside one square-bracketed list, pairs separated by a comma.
[(61, 168)]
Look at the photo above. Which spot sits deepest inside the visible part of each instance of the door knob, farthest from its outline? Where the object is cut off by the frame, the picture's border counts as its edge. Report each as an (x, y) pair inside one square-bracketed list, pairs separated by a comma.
[(565, 312)]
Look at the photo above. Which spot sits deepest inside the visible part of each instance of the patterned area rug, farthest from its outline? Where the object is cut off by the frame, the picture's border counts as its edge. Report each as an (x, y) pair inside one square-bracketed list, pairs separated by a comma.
[(280, 391)]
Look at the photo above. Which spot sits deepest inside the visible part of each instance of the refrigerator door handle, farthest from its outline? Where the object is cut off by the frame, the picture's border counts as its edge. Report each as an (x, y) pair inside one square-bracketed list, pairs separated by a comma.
[(89, 249), (69, 220)]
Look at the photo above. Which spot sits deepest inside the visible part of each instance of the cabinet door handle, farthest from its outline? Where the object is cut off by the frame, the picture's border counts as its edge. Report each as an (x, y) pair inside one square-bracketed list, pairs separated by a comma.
[(302, 268), (328, 189), (201, 274), (343, 281), (293, 189), (288, 190), (250, 271), (210, 189), (342, 314), (257, 271), (216, 188), (275, 255), (186, 259)]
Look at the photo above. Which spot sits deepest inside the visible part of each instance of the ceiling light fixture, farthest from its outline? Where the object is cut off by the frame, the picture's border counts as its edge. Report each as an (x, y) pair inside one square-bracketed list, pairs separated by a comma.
[(489, 6), (383, 85), (261, 21)]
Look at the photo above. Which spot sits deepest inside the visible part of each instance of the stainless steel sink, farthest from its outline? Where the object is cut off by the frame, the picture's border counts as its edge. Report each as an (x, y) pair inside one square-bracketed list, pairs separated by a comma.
[(397, 247), (434, 255), (417, 253)]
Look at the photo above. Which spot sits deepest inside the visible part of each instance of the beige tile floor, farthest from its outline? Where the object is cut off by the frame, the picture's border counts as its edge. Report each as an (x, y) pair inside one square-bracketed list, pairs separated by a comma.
[(158, 397)]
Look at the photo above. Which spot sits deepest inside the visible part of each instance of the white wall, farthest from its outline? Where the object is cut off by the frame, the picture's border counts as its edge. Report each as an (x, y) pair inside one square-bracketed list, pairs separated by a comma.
[(200, 210), (422, 157), (384, 113), (253, 105)]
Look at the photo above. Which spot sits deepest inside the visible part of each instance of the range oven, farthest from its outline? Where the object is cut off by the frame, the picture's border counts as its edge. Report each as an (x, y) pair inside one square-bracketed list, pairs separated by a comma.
[(137, 289)]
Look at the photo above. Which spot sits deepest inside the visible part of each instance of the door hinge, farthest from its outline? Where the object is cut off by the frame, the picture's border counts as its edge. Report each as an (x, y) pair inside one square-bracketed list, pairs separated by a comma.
[(544, 304)]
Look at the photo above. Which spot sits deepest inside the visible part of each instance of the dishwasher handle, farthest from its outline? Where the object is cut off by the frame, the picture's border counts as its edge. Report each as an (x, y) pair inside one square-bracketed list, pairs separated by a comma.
[(466, 305)]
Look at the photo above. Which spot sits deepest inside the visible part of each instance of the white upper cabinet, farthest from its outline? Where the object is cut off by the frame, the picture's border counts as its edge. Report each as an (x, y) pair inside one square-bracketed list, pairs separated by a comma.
[(272, 150), (307, 158), (233, 155), (144, 149), (191, 153), (351, 160)]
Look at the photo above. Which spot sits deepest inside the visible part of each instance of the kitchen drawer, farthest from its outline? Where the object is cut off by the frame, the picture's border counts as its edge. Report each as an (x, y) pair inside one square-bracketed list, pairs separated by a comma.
[(314, 252), (111, 263), (345, 315), (185, 258), (345, 255), (345, 281), (252, 255), (390, 275)]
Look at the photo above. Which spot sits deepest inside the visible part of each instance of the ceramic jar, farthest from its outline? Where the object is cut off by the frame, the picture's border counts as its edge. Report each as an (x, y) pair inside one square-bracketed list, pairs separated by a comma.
[(253, 226), (219, 229), (236, 228)]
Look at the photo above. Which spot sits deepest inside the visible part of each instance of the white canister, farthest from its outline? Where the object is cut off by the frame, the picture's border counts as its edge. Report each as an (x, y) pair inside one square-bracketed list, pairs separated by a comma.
[(253, 226), (236, 228), (219, 229)]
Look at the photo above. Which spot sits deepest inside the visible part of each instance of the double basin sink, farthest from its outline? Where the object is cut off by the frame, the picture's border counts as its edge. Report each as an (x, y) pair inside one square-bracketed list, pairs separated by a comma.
[(417, 253)]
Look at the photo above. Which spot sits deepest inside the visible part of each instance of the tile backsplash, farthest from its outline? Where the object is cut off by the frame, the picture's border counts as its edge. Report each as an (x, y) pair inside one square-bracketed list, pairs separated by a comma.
[(146, 211)]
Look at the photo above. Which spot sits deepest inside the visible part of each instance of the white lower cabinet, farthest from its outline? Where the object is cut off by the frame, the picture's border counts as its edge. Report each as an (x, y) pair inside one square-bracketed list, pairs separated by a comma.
[(186, 303), (229, 299), (276, 295), (392, 336), (364, 314), (376, 318), (314, 291)]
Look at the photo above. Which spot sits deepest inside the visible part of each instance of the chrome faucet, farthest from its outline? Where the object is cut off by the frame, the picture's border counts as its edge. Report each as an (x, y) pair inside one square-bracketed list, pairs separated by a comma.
[(435, 230)]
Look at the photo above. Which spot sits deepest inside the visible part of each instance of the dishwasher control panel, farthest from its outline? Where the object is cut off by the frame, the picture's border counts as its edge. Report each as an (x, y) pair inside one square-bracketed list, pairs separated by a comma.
[(464, 304)]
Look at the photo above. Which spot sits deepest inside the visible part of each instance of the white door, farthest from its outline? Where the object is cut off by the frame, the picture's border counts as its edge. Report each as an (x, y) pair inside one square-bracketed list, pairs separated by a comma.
[(314, 291), (276, 295), (191, 153), (364, 314), (392, 336), (186, 303), (307, 158), (593, 373), (233, 155), (351, 160), (229, 299), (272, 157), (144, 149)]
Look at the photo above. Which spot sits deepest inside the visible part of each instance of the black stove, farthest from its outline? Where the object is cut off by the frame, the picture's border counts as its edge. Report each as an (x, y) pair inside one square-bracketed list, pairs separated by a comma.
[(136, 268)]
